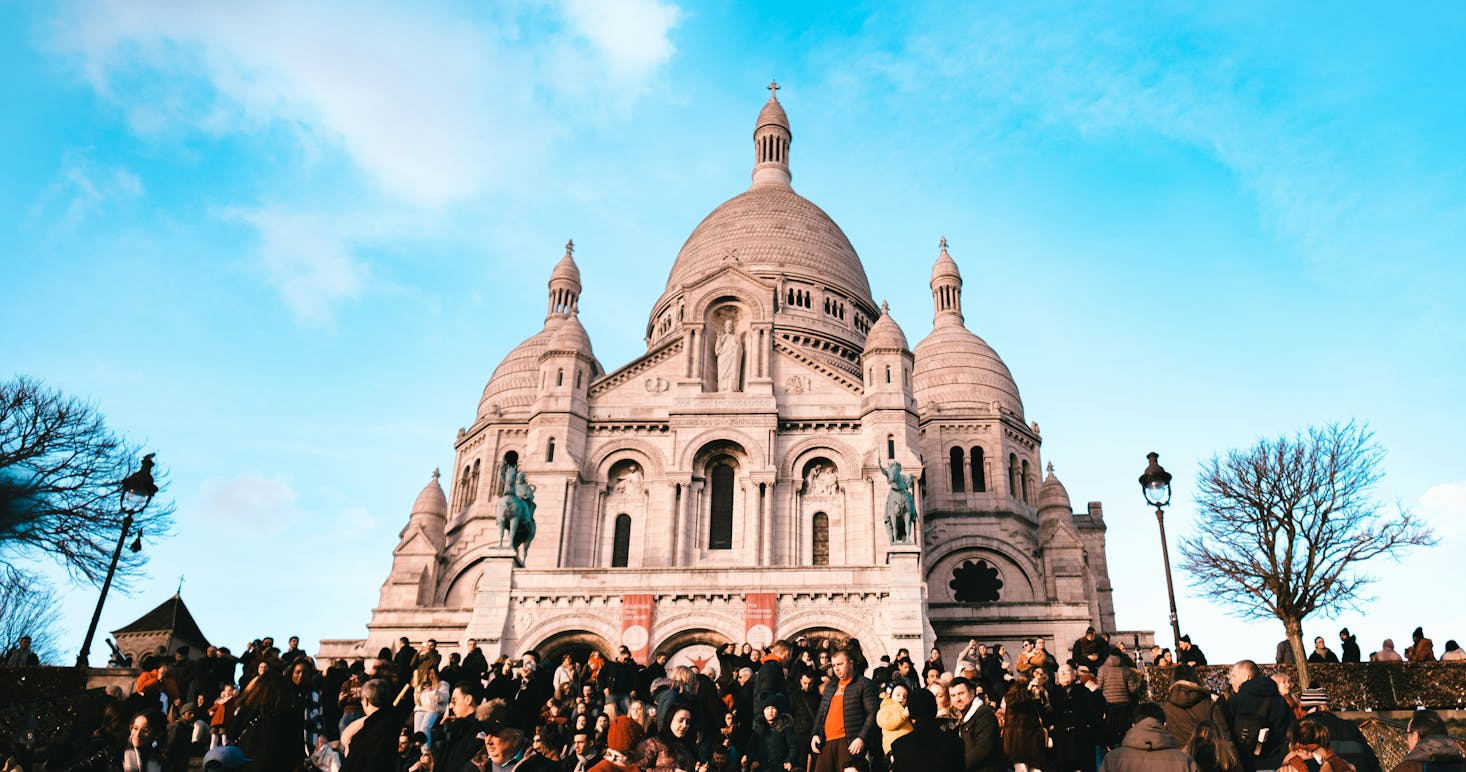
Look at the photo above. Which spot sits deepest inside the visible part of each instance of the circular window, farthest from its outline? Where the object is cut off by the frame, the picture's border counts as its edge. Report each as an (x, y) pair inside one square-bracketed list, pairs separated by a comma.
[(975, 581)]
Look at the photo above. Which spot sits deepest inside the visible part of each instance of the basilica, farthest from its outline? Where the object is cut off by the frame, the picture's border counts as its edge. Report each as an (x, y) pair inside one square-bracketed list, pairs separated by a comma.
[(780, 462)]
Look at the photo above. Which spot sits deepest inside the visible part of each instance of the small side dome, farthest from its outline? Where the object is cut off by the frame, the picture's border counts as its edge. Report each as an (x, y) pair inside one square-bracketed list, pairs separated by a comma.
[(1053, 495), (885, 334), (515, 381), (570, 338), (431, 501)]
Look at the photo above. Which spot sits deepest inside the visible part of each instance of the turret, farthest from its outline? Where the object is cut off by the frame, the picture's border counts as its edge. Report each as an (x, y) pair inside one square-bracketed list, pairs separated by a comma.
[(415, 560), (771, 139)]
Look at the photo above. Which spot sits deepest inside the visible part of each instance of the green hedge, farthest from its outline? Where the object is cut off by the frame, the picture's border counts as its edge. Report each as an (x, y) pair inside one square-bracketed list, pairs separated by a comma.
[(1362, 686)]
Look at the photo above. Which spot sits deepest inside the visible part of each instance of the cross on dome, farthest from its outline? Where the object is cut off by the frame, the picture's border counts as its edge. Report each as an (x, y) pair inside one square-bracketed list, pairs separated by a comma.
[(570, 247), (773, 88), (944, 243)]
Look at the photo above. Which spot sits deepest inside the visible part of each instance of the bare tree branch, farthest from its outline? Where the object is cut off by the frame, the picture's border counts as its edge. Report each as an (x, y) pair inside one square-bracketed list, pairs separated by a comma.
[(1285, 524), (61, 470)]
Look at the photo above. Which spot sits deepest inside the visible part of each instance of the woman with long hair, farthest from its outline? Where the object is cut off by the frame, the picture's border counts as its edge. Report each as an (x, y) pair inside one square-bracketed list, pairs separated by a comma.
[(1211, 750), (431, 700), (674, 746), (267, 727), (1023, 730), (944, 700)]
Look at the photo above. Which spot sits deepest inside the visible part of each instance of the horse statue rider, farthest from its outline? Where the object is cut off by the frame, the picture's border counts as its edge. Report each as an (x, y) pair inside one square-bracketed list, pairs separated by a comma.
[(900, 503), (516, 511)]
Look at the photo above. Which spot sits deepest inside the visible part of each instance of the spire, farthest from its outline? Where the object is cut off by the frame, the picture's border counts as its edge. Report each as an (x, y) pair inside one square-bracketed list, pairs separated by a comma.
[(565, 284), (771, 139), (946, 289)]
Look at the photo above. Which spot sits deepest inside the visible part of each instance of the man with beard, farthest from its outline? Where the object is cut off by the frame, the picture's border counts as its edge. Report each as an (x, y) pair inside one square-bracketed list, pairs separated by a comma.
[(455, 739)]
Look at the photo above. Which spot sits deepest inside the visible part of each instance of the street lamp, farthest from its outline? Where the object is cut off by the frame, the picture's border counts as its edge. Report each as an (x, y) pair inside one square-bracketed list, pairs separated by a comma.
[(1156, 485), (138, 490)]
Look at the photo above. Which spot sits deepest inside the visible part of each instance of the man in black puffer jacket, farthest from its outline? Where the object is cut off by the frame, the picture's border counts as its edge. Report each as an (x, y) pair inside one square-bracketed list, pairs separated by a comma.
[(1259, 718), (851, 730)]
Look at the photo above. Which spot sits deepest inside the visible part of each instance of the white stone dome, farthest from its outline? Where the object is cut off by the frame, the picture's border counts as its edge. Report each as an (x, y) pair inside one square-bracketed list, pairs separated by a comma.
[(885, 334), (771, 230), (1053, 495), (516, 380), (566, 271), (570, 337), (431, 501), (957, 370)]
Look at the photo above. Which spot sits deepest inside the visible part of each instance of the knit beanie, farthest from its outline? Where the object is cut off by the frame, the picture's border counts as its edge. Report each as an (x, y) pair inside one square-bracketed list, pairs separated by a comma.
[(624, 734), (1314, 698)]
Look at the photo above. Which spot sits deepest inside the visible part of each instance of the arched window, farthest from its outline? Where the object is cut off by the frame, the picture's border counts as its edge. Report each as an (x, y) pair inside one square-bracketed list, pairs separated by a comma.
[(890, 446), (621, 546), (1023, 480), (550, 450), (463, 483), (820, 549), (979, 475), (720, 528), (473, 486), (888, 373), (1013, 475), (958, 470)]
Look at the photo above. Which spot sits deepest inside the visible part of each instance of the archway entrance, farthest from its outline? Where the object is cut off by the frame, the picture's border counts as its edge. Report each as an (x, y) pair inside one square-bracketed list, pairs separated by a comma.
[(577, 643), (697, 649)]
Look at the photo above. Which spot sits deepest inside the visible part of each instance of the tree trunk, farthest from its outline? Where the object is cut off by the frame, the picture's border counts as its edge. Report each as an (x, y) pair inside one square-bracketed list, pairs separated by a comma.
[(1294, 628)]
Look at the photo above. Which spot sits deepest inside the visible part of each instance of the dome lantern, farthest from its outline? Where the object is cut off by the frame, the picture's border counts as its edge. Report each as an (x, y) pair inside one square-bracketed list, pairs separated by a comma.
[(946, 287), (565, 284), (771, 140)]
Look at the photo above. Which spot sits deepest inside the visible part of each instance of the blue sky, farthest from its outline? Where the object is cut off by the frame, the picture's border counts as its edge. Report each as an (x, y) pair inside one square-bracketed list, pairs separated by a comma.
[(284, 245)]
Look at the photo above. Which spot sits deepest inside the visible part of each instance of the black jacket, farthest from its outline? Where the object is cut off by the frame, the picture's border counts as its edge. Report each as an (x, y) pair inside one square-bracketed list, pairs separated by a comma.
[(927, 749), (1255, 706), (374, 747), (861, 704), (982, 743)]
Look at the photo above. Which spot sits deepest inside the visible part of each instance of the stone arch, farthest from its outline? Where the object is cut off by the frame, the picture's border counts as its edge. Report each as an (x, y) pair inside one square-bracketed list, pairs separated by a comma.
[(577, 643), (1011, 565), (461, 571), (653, 461), (750, 295), (718, 621), (699, 444), (691, 636), (845, 457), (594, 622), (849, 623)]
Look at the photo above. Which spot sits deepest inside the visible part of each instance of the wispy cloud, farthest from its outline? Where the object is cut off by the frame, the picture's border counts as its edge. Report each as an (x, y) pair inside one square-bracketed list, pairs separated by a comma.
[(253, 501), (83, 185), (434, 110), (1445, 506)]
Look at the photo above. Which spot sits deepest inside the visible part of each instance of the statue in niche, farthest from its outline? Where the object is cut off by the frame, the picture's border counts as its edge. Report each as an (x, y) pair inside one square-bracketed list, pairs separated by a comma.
[(729, 352), (629, 483), (820, 481), (900, 503)]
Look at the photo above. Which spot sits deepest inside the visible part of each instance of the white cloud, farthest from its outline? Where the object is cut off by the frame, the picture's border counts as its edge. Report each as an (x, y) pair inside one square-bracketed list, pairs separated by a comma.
[(250, 501), (632, 36), (309, 258), (1445, 506), (84, 184)]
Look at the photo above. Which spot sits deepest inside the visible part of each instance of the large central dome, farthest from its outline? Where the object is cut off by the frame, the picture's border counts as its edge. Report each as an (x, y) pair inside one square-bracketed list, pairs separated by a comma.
[(772, 230)]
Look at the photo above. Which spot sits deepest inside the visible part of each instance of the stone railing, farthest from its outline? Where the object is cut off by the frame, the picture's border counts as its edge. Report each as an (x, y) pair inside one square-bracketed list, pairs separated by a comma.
[(1375, 686)]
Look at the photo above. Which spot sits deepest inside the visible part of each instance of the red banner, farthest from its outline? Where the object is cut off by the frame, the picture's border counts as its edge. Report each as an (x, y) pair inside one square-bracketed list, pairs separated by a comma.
[(759, 617), (636, 625)]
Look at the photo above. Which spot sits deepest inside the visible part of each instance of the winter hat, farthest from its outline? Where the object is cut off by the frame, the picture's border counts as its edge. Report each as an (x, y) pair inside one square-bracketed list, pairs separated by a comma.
[(1314, 698), (225, 757), (922, 705), (624, 734), (776, 699)]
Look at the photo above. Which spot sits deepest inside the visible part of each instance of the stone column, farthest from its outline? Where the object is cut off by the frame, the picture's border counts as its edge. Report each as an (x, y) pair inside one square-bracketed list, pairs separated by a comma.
[(489, 622)]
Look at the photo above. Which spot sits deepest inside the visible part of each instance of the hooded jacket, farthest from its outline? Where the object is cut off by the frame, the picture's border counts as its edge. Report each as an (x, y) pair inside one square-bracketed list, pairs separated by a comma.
[(1188, 704), (1257, 705), (1148, 747), (1437, 753)]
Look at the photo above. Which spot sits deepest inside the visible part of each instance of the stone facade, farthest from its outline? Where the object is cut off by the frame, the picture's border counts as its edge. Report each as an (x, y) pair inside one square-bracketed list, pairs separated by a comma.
[(741, 458)]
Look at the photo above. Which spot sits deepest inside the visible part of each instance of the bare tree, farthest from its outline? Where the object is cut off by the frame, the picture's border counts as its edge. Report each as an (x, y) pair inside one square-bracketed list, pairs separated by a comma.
[(1284, 525), (61, 470), (28, 608)]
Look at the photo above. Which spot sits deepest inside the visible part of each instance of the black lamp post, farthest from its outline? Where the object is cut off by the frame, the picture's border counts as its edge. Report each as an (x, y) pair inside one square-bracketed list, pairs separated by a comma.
[(138, 490), (1156, 485)]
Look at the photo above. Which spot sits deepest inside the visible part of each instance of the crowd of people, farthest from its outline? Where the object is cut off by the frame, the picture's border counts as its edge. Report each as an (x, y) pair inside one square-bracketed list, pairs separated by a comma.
[(813, 705)]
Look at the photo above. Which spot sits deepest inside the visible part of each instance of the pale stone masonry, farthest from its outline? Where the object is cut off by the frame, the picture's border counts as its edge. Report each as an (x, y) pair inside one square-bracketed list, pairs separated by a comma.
[(736, 463)]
